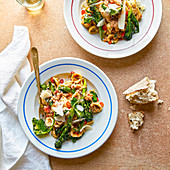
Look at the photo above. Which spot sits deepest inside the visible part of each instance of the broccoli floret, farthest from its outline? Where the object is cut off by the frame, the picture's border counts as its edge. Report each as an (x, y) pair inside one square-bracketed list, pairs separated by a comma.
[(131, 25), (94, 98), (96, 14), (128, 32), (88, 116), (74, 139), (97, 17), (88, 19)]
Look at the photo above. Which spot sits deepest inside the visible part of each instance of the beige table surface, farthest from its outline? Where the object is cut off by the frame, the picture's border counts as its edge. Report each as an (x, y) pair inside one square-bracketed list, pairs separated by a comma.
[(149, 148)]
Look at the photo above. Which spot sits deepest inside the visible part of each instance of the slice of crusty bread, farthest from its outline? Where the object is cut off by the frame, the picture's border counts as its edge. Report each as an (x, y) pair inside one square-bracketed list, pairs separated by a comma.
[(142, 92), (141, 85), (136, 119)]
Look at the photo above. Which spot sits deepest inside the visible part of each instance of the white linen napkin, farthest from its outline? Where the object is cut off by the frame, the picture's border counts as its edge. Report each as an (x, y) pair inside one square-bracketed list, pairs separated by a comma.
[(15, 150)]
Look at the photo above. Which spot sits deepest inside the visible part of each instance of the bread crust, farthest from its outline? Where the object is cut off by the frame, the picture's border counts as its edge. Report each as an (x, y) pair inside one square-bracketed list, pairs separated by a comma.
[(141, 85), (142, 92)]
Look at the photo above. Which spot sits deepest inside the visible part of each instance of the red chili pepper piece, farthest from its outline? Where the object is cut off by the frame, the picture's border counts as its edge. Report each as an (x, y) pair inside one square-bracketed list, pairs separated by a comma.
[(83, 12), (109, 42), (47, 109), (123, 34), (97, 99), (52, 80), (126, 13), (56, 92), (61, 81), (85, 122), (68, 104), (102, 104), (72, 72), (104, 27)]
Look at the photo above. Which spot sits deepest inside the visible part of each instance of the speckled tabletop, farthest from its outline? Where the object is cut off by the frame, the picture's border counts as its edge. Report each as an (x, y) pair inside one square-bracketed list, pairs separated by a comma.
[(148, 148)]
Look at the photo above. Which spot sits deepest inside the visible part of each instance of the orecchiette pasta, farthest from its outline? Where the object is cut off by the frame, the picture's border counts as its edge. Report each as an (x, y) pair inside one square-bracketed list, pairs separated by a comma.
[(106, 17), (93, 30)]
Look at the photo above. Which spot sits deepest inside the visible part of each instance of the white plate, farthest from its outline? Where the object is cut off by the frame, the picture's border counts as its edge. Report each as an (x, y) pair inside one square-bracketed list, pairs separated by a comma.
[(92, 43), (104, 122)]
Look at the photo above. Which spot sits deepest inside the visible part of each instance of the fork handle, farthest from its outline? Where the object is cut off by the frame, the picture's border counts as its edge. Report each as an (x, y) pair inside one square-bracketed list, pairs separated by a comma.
[(35, 61)]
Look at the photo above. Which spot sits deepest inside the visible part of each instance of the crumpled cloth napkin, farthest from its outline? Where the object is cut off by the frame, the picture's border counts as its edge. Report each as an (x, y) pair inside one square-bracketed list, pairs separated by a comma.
[(16, 152)]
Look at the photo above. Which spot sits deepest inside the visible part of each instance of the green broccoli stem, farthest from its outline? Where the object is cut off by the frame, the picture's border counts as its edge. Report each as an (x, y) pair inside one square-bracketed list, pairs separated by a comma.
[(84, 88), (59, 130), (61, 138), (101, 33), (128, 32), (64, 132), (131, 24), (65, 129), (64, 89), (135, 22), (79, 114), (70, 116), (51, 87)]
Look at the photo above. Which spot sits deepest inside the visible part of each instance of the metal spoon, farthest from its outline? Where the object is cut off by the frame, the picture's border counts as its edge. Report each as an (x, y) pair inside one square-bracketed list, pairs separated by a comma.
[(35, 61)]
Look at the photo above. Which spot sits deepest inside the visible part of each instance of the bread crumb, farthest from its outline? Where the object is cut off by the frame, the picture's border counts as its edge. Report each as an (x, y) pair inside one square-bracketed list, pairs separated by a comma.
[(133, 107), (160, 101), (136, 120), (123, 111), (142, 92)]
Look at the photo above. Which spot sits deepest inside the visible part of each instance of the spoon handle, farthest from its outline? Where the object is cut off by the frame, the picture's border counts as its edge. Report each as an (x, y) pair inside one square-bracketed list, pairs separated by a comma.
[(35, 61)]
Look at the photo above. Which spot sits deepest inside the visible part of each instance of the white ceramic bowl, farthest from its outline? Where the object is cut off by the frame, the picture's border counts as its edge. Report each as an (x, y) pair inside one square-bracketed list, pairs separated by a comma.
[(148, 27), (104, 122)]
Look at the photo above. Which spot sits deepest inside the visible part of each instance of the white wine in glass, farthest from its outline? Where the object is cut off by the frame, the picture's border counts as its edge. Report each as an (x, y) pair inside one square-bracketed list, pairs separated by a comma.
[(32, 5)]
